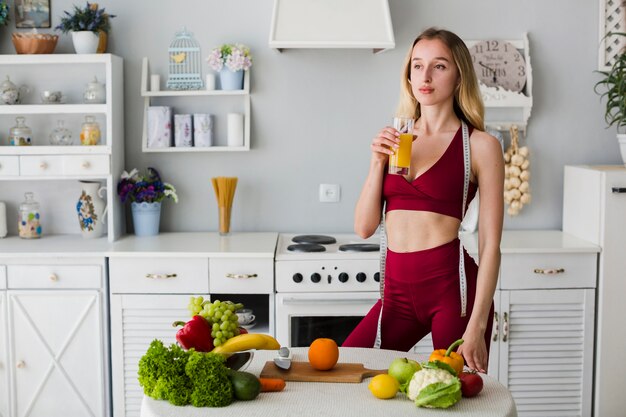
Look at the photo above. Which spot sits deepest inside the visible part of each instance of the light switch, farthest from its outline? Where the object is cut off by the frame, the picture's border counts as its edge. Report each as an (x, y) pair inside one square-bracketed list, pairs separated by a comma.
[(330, 193)]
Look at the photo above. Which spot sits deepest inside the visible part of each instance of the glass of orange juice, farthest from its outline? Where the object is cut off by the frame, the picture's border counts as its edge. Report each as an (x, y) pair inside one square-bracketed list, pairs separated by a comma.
[(400, 161)]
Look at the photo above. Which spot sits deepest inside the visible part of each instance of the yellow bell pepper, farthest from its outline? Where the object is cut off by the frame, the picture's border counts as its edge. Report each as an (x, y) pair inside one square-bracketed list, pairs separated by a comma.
[(449, 357)]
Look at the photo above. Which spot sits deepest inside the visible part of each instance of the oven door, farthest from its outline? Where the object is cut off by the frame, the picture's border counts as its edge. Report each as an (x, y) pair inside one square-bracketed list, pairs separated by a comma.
[(304, 317)]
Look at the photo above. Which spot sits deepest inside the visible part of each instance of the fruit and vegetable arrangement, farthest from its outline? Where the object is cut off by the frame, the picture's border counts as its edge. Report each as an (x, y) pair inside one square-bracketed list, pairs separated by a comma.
[(438, 383), (194, 371)]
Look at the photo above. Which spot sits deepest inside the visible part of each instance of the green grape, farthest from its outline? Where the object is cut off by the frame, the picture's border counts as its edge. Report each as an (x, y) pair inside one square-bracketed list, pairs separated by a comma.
[(223, 326), (219, 334), (217, 342), (216, 326), (216, 303), (218, 314)]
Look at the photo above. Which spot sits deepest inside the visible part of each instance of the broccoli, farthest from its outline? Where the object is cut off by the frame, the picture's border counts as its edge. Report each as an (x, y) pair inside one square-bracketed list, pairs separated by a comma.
[(209, 377), (185, 377)]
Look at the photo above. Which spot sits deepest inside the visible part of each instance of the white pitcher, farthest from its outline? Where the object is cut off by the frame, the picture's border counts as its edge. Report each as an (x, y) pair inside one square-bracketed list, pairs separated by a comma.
[(91, 209)]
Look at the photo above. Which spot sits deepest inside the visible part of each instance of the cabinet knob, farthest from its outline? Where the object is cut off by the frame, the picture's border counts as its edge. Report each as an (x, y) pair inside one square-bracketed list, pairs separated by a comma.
[(241, 276), (43, 165), (496, 327), (86, 164), (505, 327), (549, 271), (20, 365), (161, 276), (54, 277)]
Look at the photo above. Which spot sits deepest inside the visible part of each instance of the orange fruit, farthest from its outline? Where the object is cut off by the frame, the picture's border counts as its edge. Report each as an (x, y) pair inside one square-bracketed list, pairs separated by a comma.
[(323, 354)]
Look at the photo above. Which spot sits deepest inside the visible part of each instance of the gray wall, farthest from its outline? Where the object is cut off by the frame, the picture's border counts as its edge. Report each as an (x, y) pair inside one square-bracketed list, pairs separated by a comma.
[(314, 112)]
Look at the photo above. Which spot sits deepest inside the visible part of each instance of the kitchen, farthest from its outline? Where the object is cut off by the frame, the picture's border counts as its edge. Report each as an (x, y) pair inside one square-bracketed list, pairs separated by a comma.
[(298, 138)]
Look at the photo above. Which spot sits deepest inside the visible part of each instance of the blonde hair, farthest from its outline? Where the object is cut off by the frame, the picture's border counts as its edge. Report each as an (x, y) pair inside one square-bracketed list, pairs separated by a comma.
[(468, 103)]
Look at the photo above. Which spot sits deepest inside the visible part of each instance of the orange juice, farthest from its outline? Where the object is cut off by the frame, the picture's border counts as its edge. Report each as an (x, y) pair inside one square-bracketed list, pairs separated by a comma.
[(400, 161)]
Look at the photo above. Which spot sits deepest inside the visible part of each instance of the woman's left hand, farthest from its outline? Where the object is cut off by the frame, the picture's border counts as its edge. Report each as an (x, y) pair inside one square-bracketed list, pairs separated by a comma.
[(474, 351)]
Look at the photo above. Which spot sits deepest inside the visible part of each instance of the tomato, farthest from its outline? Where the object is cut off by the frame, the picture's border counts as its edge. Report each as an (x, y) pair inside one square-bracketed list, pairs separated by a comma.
[(471, 384)]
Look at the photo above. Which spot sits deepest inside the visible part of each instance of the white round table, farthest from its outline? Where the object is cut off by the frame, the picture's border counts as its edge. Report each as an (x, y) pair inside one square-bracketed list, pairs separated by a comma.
[(317, 399)]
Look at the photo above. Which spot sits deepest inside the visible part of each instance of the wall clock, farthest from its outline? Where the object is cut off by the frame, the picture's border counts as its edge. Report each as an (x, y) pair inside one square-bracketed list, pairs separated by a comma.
[(499, 64)]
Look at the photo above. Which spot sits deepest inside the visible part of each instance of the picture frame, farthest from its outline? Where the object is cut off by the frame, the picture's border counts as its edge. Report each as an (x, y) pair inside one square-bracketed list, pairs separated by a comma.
[(32, 14)]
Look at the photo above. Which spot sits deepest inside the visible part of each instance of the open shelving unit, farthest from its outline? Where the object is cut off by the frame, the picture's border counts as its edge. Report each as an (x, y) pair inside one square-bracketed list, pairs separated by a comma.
[(195, 97)]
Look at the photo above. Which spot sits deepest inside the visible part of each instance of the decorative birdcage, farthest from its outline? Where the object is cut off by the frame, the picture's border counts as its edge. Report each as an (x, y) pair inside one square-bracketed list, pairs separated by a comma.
[(184, 62)]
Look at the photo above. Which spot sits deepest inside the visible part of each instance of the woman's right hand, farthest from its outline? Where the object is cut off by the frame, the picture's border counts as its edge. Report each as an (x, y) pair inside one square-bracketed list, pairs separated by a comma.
[(383, 144)]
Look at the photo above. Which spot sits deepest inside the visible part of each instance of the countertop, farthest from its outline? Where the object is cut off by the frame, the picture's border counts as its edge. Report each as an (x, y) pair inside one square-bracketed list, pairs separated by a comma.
[(317, 399)]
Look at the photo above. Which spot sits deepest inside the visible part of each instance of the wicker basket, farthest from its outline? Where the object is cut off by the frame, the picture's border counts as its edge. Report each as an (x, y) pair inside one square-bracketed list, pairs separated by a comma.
[(34, 43)]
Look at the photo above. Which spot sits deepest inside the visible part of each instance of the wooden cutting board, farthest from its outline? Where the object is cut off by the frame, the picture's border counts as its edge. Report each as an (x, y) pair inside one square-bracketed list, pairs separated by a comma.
[(303, 372)]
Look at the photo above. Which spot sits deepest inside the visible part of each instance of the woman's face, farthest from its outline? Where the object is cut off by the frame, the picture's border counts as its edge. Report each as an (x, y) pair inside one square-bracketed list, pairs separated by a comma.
[(434, 74)]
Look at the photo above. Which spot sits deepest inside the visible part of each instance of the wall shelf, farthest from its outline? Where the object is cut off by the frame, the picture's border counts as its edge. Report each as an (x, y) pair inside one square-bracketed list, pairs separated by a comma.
[(195, 95)]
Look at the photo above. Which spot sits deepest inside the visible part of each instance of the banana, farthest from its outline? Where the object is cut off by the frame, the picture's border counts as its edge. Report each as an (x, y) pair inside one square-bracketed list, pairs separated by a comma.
[(248, 341)]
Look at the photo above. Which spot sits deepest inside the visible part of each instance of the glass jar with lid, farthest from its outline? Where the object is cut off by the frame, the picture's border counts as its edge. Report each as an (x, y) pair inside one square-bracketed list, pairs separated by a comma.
[(90, 132), (61, 135), (95, 93), (20, 134), (29, 219)]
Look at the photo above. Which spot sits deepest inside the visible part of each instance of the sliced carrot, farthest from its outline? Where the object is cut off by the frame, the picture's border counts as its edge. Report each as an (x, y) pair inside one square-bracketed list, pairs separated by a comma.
[(272, 384)]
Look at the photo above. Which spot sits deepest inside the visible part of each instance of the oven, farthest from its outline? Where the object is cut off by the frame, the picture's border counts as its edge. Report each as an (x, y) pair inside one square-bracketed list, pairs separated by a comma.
[(325, 285)]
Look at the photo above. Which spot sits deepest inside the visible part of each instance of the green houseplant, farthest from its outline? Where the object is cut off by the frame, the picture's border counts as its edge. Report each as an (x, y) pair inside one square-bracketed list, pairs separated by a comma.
[(612, 86), (89, 26)]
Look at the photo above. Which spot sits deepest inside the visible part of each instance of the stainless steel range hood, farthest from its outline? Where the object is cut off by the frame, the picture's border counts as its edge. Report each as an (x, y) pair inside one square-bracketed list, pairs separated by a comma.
[(324, 24)]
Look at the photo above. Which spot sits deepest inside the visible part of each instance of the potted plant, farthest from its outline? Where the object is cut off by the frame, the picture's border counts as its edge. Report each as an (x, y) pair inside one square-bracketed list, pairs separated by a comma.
[(613, 87), (4, 13), (89, 27), (145, 192), (230, 60)]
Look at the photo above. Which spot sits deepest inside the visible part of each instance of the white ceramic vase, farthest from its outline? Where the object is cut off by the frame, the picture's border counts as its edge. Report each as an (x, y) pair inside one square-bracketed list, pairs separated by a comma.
[(91, 209), (621, 139), (85, 42)]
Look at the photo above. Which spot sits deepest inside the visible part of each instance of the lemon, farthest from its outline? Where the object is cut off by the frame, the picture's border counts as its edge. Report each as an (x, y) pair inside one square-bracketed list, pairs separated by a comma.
[(384, 386)]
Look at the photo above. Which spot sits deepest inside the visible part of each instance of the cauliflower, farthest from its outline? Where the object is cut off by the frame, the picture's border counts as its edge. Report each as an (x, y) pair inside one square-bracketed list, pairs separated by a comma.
[(434, 388)]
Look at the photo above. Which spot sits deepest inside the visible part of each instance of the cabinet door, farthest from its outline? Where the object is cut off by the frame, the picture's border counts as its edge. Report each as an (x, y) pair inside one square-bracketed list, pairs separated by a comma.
[(4, 371), (57, 353), (136, 320), (546, 350)]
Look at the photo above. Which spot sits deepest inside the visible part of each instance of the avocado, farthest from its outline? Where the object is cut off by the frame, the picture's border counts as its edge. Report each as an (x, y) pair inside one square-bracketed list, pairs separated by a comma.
[(245, 385)]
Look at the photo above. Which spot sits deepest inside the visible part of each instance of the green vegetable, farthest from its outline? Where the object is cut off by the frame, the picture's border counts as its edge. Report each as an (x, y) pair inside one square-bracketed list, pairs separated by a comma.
[(439, 395), (184, 377), (246, 385), (209, 377)]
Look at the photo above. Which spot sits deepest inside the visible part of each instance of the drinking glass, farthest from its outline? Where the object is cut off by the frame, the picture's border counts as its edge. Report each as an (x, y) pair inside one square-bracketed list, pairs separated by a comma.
[(400, 161)]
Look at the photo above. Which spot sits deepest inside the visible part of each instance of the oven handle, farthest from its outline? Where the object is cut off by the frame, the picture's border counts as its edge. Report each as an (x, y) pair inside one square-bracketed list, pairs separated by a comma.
[(309, 301)]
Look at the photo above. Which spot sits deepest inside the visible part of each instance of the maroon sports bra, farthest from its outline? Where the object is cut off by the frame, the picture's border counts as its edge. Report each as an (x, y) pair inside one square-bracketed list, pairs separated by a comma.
[(439, 189)]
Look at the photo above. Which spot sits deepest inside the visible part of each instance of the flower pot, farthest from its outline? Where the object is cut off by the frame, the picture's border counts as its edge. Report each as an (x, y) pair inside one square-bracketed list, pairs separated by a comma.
[(85, 42), (231, 80), (146, 217), (91, 209), (621, 138)]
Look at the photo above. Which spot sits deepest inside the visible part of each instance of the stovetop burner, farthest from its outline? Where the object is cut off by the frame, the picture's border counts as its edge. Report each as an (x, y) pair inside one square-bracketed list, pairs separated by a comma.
[(314, 239), (306, 247), (359, 247)]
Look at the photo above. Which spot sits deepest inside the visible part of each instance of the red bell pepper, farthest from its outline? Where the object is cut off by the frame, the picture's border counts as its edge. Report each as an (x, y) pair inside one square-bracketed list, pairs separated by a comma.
[(196, 334)]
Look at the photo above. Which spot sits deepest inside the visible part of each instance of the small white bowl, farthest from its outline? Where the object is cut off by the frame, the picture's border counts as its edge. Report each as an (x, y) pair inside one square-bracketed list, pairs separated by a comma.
[(51, 97)]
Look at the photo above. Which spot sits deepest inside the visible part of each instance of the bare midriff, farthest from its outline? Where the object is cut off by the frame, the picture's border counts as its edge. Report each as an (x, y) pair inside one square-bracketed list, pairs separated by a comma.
[(411, 231)]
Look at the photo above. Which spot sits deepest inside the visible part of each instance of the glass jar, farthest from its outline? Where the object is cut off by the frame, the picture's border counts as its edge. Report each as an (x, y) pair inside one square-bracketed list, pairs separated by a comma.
[(90, 132), (29, 221), (95, 93), (20, 134), (61, 135)]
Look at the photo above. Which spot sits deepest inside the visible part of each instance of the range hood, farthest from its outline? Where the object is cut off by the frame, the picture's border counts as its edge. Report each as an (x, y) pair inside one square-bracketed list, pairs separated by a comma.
[(324, 24)]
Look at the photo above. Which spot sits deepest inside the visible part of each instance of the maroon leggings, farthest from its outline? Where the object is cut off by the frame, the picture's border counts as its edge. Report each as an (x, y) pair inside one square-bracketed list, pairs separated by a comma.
[(422, 295)]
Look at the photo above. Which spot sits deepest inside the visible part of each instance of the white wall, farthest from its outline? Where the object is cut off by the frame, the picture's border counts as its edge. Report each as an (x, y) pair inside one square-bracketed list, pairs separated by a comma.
[(314, 112)]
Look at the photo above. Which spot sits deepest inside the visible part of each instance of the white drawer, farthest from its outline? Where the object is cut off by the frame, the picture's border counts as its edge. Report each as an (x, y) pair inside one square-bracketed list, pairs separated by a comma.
[(553, 270), (51, 165), (9, 166), (241, 276), (54, 276), (159, 275), (3, 277)]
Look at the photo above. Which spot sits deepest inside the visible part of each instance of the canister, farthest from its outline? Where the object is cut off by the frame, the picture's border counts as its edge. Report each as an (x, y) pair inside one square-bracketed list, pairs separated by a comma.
[(202, 130), (183, 130)]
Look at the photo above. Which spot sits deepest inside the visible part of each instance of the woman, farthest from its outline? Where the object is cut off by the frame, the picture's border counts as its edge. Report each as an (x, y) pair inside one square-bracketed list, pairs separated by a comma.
[(426, 287)]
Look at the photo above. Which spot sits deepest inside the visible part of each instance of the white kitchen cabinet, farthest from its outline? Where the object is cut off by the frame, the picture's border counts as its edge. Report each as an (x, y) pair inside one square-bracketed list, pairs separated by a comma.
[(4, 371), (64, 165), (57, 338), (215, 102), (594, 204)]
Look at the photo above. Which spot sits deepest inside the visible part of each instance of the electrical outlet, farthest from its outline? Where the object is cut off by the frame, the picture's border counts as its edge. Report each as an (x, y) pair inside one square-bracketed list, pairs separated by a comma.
[(330, 193)]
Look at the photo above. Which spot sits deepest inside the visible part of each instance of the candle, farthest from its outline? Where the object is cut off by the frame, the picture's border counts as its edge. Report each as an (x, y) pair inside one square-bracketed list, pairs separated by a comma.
[(235, 129), (155, 82), (210, 81)]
